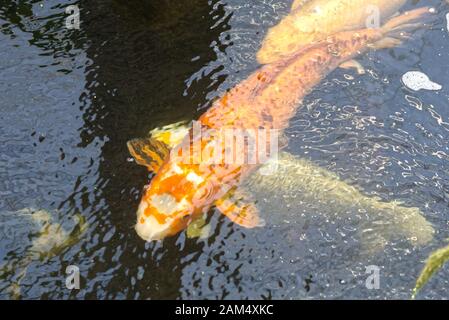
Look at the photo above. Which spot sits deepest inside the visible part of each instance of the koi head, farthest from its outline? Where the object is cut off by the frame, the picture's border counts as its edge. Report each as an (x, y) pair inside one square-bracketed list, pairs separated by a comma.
[(174, 198), (160, 216)]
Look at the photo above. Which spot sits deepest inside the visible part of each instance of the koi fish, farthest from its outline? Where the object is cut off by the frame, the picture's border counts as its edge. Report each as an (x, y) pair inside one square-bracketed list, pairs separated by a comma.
[(311, 21), (298, 181), (48, 239), (183, 189)]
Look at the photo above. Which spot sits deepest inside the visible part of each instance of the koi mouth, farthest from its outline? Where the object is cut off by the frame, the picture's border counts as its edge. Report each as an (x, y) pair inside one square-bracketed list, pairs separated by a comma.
[(152, 230), (159, 216)]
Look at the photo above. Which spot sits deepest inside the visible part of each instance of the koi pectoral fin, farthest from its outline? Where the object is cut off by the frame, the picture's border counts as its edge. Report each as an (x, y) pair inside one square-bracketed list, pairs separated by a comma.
[(386, 43), (198, 229), (237, 206), (148, 152), (353, 64)]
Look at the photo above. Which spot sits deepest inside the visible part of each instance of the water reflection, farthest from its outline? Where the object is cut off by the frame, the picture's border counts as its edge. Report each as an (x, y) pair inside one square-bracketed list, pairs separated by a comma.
[(137, 65), (141, 63)]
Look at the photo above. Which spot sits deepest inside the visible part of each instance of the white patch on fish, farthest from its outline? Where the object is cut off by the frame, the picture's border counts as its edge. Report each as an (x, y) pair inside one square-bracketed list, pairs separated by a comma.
[(177, 169), (193, 177), (417, 80), (150, 228), (164, 204)]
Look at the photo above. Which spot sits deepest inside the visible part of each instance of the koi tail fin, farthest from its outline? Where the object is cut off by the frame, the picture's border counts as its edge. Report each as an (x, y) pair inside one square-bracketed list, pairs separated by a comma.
[(400, 27), (409, 21)]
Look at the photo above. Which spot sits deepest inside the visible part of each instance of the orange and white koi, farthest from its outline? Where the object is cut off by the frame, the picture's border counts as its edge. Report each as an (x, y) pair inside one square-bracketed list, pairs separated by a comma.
[(183, 189)]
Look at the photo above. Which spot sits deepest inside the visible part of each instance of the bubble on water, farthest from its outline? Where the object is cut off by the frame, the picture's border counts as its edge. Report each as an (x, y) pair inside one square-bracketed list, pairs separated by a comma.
[(416, 81)]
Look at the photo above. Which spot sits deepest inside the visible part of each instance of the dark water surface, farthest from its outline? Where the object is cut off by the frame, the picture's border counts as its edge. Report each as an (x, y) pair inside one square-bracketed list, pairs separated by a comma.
[(70, 99)]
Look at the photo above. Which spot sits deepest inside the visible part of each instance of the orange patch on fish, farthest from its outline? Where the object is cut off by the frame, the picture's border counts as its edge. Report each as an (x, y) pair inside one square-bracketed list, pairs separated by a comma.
[(268, 99)]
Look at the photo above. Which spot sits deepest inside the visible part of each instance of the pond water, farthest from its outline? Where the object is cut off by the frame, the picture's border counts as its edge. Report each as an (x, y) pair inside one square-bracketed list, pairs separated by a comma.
[(71, 99)]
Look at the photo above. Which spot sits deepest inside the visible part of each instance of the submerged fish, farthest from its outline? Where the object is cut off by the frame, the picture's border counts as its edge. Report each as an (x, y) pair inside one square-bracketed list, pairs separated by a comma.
[(34, 236), (183, 189), (300, 181), (314, 20), (434, 262)]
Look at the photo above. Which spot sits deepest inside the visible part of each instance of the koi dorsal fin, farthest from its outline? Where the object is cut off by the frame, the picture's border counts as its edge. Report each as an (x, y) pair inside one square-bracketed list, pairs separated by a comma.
[(298, 4), (152, 152), (240, 209), (148, 152), (172, 134)]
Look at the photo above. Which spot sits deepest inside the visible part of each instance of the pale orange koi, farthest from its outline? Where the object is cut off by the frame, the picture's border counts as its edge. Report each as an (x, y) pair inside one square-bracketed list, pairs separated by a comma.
[(311, 21)]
